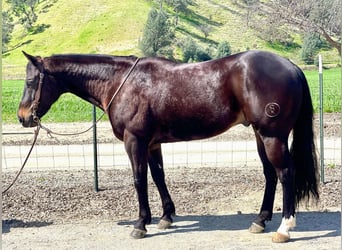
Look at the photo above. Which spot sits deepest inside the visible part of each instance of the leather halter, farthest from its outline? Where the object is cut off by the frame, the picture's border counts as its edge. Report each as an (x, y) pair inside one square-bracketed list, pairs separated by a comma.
[(37, 98)]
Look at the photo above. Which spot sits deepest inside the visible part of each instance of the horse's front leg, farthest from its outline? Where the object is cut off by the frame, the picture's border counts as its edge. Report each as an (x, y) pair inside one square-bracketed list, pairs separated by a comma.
[(137, 151), (155, 161)]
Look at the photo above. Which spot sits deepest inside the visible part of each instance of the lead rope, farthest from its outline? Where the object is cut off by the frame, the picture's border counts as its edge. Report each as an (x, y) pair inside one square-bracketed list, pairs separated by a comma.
[(50, 132), (36, 132)]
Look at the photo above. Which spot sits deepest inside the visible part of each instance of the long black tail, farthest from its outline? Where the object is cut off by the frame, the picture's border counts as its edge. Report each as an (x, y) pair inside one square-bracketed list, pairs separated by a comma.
[(303, 148)]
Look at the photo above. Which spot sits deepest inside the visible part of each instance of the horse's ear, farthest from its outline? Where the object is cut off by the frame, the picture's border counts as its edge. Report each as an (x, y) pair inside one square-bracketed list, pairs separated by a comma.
[(36, 60)]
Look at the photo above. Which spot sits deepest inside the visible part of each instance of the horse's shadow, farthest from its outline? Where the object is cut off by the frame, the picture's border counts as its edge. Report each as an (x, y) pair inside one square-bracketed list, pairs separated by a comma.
[(306, 222), (8, 224)]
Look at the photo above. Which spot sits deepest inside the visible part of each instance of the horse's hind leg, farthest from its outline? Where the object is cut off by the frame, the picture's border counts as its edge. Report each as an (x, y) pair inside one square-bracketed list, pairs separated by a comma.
[(278, 155), (266, 213), (155, 161)]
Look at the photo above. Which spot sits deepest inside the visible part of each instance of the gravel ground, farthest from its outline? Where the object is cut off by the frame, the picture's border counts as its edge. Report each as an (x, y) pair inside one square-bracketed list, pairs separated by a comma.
[(64, 196), (215, 206)]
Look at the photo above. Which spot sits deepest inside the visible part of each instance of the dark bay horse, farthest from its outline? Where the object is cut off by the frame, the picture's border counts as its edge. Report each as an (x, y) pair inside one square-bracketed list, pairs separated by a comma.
[(151, 101)]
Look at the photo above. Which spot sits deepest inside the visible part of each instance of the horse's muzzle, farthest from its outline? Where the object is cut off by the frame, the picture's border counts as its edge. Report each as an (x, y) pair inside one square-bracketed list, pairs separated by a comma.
[(26, 117), (27, 122)]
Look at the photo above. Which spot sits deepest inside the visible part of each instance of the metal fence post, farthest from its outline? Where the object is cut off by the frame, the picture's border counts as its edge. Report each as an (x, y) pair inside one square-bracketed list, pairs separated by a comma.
[(96, 182), (321, 132)]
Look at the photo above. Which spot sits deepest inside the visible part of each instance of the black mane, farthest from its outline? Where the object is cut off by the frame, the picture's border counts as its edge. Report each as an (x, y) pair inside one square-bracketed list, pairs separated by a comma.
[(87, 65)]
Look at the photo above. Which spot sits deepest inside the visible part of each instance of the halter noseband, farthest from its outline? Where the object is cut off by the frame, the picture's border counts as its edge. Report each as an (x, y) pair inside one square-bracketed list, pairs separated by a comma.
[(37, 98)]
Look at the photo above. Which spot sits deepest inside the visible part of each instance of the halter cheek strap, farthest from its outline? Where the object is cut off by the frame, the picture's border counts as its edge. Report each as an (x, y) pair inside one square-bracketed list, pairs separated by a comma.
[(37, 97)]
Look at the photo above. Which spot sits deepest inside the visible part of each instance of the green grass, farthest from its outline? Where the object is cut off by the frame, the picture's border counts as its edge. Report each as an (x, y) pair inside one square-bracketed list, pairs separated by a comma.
[(331, 89), (70, 108)]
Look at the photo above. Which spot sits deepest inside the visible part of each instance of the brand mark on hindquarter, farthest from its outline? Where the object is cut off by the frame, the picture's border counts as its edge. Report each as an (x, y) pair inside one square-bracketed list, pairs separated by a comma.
[(272, 109)]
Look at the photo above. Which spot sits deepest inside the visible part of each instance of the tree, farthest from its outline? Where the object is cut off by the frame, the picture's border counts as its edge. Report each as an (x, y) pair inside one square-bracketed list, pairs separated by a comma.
[(7, 28), (311, 45), (308, 16), (158, 34), (25, 10)]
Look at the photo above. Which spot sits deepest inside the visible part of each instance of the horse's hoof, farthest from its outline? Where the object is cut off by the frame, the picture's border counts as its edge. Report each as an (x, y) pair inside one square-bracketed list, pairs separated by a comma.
[(138, 233), (280, 238), (255, 228), (164, 224)]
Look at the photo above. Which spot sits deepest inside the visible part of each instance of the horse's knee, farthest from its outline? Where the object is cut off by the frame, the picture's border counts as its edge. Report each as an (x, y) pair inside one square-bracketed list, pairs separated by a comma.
[(140, 182)]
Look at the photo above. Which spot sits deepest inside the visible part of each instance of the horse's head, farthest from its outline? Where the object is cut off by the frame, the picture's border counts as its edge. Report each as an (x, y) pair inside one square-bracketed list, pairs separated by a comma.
[(38, 94)]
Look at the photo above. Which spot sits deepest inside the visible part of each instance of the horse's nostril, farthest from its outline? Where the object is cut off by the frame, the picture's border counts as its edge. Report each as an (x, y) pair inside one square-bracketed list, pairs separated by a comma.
[(21, 120)]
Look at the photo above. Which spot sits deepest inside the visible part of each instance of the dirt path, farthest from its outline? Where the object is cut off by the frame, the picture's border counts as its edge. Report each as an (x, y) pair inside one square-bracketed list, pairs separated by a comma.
[(315, 231)]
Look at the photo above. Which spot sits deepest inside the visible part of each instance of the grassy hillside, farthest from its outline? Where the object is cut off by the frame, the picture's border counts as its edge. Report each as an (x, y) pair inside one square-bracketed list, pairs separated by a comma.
[(115, 27), (82, 26)]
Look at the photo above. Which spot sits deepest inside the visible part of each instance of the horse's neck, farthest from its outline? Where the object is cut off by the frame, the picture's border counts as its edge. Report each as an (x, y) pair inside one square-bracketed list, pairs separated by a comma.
[(93, 79), (93, 87)]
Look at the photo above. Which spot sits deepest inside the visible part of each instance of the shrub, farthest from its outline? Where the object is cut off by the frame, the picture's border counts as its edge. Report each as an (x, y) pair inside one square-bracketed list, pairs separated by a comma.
[(223, 49)]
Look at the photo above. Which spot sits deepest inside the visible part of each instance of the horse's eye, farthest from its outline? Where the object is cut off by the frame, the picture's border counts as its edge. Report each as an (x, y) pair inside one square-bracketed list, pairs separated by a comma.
[(29, 82)]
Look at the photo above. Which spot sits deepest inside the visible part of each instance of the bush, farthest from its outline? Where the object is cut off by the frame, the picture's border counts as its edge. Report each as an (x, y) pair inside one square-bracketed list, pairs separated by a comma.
[(189, 48), (223, 49), (202, 55), (192, 52)]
